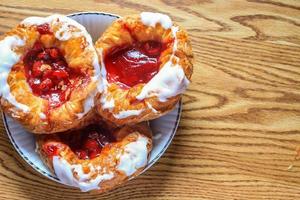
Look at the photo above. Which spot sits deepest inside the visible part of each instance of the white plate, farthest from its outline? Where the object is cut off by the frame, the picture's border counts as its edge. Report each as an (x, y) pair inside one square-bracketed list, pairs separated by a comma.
[(163, 128)]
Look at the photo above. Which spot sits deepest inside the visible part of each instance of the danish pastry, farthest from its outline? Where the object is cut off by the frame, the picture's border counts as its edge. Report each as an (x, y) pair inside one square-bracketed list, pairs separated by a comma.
[(49, 74), (146, 65), (96, 158)]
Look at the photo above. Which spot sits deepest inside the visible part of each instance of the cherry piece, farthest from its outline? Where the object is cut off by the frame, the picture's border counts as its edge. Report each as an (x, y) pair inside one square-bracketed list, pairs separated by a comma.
[(134, 64), (36, 69), (37, 46), (81, 154), (43, 56), (54, 53), (91, 144), (94, 153), (60, 74), (48, 74), (46, 84), (51, 149), (44, 29)]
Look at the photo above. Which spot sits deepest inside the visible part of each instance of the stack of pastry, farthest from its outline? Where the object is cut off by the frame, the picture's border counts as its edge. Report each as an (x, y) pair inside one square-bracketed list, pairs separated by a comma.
[(89, 104)]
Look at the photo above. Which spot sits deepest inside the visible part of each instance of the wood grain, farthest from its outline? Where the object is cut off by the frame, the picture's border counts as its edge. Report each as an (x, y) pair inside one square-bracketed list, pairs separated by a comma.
[(240, 128)]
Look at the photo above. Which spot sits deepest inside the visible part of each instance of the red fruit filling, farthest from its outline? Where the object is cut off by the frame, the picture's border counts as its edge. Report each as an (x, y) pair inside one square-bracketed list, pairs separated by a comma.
[(132, 65), (52, 148), (48, 74), (44, 29), (88, 142)]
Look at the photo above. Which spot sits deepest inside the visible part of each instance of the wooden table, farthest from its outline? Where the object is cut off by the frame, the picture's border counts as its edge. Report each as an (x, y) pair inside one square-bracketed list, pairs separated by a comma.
[(240, 127)]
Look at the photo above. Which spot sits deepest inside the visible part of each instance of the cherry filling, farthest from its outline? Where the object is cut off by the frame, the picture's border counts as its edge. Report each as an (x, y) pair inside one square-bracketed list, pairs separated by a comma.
[(44, 29), (88, 143), (47, 72), (132, 65), (52, 148)]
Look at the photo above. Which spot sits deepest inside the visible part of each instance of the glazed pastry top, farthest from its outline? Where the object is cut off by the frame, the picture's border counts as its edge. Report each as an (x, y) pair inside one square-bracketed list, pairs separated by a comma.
[(88, 157), (64, 29), (50, 73), (147, 59)]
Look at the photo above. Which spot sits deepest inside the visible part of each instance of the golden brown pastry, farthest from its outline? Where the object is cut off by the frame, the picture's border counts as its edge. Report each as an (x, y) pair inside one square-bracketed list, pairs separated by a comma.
[(49, 72), (96, 158), (146, 64)]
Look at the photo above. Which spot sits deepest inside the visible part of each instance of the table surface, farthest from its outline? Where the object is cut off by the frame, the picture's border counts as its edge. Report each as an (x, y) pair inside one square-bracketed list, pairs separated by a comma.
[(240, 128)]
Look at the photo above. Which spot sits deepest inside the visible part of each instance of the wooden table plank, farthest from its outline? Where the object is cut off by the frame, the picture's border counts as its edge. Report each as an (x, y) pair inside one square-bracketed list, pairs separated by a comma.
[(240, 128)]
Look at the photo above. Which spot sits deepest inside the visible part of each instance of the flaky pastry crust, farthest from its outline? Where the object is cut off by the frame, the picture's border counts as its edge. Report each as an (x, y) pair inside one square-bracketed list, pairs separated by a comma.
[(178, 51), (84, 173), (78, 52)]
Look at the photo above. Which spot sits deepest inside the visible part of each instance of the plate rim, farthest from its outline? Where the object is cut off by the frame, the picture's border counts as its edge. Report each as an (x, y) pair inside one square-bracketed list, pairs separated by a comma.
[(53, 177)]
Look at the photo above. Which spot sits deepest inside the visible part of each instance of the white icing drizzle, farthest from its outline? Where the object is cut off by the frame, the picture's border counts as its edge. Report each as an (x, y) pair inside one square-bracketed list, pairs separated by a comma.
[(42, 115), (88, 104), (64, 172), (8, 58), (174, 30), (127, 113), (103, 70), (151, 19), (107, 104), (90, 100), (102, 86), (134, 156), (169, 81), (151, 108), (65, 32)]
